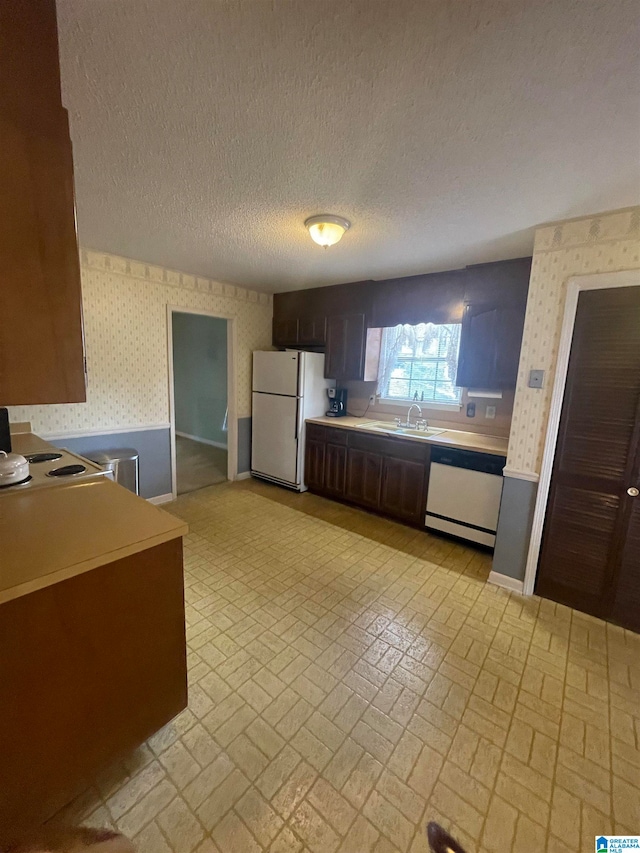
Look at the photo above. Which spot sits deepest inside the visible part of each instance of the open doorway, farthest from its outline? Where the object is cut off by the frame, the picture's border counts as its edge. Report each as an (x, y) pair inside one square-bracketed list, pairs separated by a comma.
[(199, 356)]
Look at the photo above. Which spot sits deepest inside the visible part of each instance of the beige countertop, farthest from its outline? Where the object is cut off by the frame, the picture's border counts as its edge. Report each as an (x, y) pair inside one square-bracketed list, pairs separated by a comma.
[(447, 438), (50, 535)]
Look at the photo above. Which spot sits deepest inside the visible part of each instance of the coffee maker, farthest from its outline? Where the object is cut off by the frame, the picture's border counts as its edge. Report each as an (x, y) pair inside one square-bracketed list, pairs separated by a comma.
[(337, 402)]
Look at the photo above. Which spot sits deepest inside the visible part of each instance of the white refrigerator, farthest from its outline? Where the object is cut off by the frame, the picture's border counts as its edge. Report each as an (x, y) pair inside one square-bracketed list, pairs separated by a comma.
[(288, 387)]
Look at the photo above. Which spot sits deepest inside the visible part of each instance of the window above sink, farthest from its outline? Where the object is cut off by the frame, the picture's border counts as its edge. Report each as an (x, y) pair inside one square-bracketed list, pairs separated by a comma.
[(418, 364)]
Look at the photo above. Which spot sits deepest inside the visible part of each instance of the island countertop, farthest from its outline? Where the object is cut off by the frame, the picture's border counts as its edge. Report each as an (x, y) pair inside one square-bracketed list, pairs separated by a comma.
[(447, 438), (52, 534)]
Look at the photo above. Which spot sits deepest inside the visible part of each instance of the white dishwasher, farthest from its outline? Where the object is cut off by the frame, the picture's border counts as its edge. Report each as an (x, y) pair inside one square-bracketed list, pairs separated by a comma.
[(464, 493)]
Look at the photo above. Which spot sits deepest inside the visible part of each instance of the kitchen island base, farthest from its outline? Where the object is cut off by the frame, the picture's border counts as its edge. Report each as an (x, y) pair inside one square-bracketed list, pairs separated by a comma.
[(90, 667)]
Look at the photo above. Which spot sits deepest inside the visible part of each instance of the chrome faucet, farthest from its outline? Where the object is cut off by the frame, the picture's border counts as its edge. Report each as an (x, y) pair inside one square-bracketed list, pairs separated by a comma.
[(411, 408), (407, 424)]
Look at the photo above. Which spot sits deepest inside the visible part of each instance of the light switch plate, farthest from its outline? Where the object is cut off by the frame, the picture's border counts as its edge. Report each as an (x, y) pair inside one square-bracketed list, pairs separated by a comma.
[(536, 378), (490, 412)]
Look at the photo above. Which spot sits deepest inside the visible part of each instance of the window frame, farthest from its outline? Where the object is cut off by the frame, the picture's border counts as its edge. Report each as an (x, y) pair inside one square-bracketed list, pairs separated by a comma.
[(454, 406)]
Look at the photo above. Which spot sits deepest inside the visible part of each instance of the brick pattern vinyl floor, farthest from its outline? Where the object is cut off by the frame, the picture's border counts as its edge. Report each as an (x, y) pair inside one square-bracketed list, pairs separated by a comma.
[(351, 679)]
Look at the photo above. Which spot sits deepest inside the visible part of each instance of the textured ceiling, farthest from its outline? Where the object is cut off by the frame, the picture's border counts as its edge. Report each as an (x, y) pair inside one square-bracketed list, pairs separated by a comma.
[(205, 132)]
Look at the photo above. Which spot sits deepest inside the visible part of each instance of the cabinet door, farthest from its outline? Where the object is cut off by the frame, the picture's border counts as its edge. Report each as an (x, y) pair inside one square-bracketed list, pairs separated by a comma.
[(335, 469), (509, 328), (344, 358), (285, 331), (364, 477), (490, 344), (403, 490), (312, 331), (41, 337), (314, 464)]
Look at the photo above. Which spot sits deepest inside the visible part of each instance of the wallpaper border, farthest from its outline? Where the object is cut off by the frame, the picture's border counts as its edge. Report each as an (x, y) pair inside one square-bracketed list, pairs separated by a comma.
[(105, 262)]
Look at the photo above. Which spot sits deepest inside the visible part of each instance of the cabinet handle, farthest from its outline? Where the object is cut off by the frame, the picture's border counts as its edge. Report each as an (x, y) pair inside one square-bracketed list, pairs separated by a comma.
[(633, 492)]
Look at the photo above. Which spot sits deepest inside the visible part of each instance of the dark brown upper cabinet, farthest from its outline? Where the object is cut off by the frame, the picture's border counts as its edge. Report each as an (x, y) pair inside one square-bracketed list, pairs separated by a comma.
[(285, 331), (41, 338), (432, 298), (490, 346), (345, 319), (345, 347), (492, 325), (312, 331)]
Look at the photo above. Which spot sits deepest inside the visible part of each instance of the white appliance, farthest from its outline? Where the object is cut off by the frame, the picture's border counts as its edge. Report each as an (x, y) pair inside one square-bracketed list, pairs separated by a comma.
[(464, 494), (53, 468), (288, 387)]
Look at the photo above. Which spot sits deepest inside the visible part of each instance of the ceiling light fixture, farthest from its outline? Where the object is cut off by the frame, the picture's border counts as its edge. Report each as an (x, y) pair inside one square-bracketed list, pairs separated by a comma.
[(327, 229)]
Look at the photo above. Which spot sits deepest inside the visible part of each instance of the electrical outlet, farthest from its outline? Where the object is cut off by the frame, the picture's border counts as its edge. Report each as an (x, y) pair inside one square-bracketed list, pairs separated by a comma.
[(372, 399), (490, 412)]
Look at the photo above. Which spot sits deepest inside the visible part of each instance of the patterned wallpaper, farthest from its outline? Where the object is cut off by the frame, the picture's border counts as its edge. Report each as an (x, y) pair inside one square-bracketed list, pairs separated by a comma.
[(606, 243), (125, 315)]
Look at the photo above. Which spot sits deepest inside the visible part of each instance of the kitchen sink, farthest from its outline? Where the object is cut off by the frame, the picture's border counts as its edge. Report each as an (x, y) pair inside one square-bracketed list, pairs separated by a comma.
[(394, 429)]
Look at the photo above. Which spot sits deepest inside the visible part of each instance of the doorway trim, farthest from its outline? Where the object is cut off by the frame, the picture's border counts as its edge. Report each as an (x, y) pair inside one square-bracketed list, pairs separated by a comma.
[(232, 419), (575, 286)]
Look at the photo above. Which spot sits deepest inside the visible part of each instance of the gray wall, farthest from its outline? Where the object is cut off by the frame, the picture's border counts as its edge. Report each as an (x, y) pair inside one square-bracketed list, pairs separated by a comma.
[(514, 527), (200, 375), (153, 445), (244, 445)]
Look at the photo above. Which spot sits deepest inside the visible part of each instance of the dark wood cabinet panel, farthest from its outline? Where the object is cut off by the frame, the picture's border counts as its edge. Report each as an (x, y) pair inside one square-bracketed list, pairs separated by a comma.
[(314, 462), (345, 350), (403, 493), (492, 324), (29, 69), (430, 298), (312, 331), (504, 282), (335, 469), (364, 478), (285, 331), (490, 343), (386, 475), (41, 336)]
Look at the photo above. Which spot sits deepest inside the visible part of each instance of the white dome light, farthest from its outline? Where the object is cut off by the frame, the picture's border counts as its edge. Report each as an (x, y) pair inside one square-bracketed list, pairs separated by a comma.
[(326, 229)]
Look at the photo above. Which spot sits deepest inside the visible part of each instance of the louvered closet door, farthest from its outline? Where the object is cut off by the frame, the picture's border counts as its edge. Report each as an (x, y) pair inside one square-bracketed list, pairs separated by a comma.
[(591, 542)]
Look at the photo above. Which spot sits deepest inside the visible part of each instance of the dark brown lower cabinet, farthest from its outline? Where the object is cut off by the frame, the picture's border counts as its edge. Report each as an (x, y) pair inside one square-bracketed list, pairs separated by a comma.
[(386, 475), (335, 469), (590, 556), (403, 489), (364, 478), (315, 452)]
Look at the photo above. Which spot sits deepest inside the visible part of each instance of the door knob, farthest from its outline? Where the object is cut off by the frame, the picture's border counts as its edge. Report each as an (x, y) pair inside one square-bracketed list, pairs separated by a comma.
[(633, 492)]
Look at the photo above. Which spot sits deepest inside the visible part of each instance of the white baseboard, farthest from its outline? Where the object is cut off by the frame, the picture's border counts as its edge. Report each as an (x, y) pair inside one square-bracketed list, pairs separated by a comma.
[(506, 582), (219, 444), (243, 476), (161, 499)]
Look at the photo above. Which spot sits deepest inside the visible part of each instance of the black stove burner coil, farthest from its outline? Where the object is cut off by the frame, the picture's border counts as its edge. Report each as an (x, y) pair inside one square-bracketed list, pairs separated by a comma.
[(66, 471)]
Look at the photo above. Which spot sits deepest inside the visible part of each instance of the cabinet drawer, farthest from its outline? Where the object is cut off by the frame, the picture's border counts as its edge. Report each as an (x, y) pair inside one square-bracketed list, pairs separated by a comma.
[(412, 451), (335, 435), (397, 448), (368, 442)]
